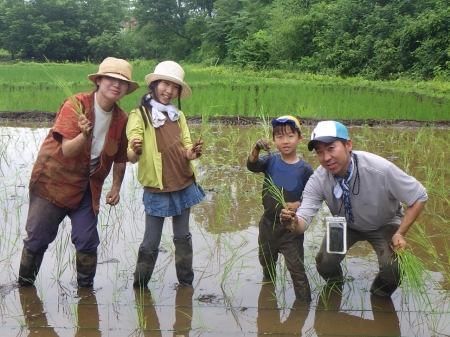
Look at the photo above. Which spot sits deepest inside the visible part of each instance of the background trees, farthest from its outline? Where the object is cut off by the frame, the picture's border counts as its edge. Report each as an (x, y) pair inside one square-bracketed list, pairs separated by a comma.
[(371, 38)]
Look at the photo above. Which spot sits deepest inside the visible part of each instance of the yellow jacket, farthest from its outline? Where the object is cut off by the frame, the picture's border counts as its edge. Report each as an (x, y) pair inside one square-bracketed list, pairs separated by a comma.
[(150, 162)]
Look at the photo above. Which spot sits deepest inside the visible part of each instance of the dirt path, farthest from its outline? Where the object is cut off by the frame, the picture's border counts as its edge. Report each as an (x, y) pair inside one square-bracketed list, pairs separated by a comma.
[(45, 117)]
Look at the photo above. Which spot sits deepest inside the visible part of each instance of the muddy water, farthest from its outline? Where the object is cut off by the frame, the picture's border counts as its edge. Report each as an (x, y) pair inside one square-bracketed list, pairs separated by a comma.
[(228, 297)]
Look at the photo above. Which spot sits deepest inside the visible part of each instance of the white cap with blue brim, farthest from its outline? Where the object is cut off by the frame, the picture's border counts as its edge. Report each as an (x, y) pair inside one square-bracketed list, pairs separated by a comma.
[(327, 132)]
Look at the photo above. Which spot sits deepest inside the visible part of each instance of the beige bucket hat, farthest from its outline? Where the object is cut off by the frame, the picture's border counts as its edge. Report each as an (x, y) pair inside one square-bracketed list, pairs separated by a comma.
[(116, 68), (170, 71)]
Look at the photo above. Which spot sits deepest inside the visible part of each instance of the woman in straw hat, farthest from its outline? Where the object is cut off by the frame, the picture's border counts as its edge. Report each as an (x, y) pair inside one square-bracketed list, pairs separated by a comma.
[(88, 137), (161, 144)]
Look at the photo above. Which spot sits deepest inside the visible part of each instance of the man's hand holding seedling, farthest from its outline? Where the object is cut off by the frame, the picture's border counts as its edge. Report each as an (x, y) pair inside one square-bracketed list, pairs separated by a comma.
[(291, 221)]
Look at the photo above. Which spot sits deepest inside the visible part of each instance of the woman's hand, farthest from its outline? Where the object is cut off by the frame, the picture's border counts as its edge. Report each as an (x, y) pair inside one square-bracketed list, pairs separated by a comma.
[(85, 126)]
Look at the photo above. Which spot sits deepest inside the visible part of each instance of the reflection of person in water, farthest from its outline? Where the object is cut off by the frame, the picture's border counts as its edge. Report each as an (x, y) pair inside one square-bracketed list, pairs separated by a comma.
[(34, 313), (88, 316), (146, 310), (183, 311), (331, 321), (269, 321)]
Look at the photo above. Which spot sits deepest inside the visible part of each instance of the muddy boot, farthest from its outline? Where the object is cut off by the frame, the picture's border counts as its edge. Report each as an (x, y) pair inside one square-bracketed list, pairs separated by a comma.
[(144, 267), (29, 267), (86, 268), (183, 260), (381, 289)]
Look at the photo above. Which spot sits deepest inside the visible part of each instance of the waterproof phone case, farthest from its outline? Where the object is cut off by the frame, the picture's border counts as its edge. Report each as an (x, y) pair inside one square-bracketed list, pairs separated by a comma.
[(336, 235)]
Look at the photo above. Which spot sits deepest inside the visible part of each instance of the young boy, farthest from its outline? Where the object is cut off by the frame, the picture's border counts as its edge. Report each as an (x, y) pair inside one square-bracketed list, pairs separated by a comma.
[(289, 173)]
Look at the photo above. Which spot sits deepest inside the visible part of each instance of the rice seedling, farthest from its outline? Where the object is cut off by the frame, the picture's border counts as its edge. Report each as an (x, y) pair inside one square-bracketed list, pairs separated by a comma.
[(61, 83), (16, 316), (413, 275), (70, 306), (198, 319), (141, 318), (265, 125), (62, 247), (274, 191)]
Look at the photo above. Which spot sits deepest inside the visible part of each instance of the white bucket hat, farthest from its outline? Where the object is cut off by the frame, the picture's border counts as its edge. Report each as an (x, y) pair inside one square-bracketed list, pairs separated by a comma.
[(170, 71), (116, 68)]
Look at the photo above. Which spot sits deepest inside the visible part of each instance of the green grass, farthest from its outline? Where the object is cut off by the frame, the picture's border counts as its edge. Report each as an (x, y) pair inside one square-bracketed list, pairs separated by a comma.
[(221, 91)]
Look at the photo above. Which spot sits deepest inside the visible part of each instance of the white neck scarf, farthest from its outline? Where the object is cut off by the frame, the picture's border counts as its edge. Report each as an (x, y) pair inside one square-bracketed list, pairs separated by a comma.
[(158, 118)]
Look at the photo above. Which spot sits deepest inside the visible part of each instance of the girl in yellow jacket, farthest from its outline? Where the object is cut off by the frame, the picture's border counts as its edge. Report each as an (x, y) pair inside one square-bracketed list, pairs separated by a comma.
[(161, 145)]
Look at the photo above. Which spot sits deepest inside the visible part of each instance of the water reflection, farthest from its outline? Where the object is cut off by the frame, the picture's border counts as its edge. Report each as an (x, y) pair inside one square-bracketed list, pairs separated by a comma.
[(88, 315), (272, 320), (225, 233), (146, 314), (331, 321), (183, 311), (34, 313)]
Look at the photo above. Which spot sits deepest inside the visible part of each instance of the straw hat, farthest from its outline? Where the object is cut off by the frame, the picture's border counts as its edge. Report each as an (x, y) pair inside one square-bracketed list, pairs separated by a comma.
[(170, 71), (116, 68)]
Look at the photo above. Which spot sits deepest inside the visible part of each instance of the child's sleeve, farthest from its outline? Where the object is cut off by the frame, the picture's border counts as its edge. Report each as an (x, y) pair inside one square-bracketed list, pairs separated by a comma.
[(135, 127)]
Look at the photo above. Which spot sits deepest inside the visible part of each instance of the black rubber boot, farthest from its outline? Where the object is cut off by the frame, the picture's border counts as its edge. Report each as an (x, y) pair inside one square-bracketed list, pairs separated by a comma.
[(29, 267), (145, 265), (183, 260), (86, 268)]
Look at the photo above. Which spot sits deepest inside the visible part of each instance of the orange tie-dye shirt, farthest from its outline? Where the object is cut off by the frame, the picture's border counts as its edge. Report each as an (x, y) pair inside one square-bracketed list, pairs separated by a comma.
[(62, 180)]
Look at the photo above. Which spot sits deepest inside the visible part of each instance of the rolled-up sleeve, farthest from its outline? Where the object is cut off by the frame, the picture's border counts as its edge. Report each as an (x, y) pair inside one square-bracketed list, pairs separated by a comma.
[(312, 199)]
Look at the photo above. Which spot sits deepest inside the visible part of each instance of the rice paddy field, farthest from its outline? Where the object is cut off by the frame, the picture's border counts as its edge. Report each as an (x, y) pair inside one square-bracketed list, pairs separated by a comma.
[(219, 91), (229, 296)]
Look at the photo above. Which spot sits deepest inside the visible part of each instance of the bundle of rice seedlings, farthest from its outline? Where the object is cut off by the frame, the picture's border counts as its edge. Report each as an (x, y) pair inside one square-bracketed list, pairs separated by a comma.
[(413, 274)]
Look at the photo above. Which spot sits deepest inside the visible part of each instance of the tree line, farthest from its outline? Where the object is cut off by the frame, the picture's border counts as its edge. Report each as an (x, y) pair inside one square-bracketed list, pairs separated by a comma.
[(377, 39)]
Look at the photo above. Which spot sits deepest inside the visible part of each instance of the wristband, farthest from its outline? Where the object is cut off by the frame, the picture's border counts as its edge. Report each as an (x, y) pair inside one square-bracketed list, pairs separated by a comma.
[(398, 235)]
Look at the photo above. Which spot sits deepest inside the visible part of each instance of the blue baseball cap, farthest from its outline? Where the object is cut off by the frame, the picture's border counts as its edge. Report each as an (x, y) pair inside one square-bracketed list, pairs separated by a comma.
[(286, 119), (327, 132)]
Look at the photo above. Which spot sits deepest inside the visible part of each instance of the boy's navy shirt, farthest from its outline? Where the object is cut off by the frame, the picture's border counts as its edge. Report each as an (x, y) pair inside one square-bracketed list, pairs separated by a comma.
[(291, 177)]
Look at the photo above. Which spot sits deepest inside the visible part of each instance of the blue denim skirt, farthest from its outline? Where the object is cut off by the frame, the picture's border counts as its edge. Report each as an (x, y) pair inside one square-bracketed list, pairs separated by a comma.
[(172, 203)]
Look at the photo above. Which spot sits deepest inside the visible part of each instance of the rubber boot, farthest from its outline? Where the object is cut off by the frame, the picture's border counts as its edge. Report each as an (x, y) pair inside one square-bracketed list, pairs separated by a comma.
[(183, 260), (30, 264), (86, 268), (381, 289), (144, 267)]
